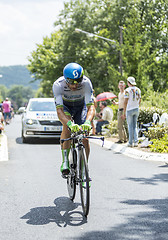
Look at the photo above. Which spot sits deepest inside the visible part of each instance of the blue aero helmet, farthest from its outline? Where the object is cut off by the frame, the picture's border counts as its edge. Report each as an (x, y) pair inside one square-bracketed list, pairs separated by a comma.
[(73, 73)]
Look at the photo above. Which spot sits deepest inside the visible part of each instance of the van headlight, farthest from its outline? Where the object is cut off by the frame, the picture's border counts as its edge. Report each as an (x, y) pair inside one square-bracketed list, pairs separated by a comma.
[(31, 121)]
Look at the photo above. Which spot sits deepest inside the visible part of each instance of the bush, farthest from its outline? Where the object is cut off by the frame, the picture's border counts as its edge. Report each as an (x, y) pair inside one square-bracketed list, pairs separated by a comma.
[(158, 135), (112, 126), (146, 114), (160, 145), (156, 132), (155, 99)]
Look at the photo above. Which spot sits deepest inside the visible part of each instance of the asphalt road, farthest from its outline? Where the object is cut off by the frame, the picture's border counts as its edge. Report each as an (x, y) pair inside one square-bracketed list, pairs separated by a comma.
[(129, 197)]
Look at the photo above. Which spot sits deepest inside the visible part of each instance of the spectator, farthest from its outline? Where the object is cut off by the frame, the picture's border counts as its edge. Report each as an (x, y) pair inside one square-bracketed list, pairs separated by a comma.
[(121, 122), (107, 116), (1, 106), (131, 109), (12, 111), (1, 122), (6, 110), (92, 122), (99, 115)]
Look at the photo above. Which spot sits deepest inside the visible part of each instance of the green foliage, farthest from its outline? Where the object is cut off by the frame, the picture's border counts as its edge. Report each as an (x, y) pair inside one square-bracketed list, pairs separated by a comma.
[(39, 93), (3, 92), (160, 145), (112, 126), (155, 99), (156, 132), (144, 47), (19, 95), (146, 114), (115, 111)]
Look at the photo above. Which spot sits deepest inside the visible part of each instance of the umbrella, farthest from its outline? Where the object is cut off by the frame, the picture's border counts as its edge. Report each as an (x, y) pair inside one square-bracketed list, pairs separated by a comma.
[(104, 96)]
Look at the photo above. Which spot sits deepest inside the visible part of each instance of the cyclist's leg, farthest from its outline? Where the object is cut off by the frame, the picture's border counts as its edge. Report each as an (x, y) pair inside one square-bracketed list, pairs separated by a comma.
[(65, 134), (65, 147), (80, 118), (87, 147)]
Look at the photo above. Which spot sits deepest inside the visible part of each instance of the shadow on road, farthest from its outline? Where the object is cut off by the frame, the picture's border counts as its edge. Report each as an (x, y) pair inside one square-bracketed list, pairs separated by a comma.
[(162, 177), (164, 166), (62, 214), (39, 141), (149, 223)]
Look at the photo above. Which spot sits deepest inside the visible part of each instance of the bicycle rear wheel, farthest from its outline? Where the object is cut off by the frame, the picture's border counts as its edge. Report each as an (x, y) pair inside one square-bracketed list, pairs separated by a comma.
[(71, 179), (84, 183)]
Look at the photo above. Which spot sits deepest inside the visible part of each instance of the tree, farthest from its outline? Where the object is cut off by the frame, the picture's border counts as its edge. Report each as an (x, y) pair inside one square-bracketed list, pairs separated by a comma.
[(3, 92), (144, 49), (19, 95)]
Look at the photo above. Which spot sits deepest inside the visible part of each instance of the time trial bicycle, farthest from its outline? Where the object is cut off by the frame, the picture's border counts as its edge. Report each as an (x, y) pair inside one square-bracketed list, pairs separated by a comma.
[(79, 171)]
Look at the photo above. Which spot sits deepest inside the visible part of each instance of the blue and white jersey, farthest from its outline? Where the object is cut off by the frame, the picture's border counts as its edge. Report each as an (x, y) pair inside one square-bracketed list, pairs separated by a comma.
[(63, 95)]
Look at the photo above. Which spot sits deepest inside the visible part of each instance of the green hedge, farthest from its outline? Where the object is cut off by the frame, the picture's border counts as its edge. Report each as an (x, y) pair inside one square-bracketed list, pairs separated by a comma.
[(112, 126), (146, 114), (160, 145), (156, 132)]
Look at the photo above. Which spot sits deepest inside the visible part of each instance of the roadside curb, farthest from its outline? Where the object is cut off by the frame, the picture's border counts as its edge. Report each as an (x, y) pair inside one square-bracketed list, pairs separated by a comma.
[(3, 148), (132, 152)]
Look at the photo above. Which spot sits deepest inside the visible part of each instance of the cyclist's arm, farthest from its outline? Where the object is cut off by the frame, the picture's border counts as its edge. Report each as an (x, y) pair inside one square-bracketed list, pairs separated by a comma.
[(62, 116), (59, 103), (89, 99)]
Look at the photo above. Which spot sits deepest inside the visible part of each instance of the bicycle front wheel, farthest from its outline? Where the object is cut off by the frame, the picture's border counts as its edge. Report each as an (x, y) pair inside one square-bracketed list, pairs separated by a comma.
[(71, 179), (84, 183)]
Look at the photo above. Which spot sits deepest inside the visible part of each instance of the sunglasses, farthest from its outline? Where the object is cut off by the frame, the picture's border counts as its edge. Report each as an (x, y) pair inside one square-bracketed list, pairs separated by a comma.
[(74, 81)]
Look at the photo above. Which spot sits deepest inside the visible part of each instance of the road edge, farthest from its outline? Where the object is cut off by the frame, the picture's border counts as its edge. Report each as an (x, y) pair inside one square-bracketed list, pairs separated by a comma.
[(3, 148), (132, 152)]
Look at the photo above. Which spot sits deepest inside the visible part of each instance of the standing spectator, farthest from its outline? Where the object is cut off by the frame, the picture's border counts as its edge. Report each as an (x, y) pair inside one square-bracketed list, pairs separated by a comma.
[(92, 122), (6, 110), (107, 116), (131, 109), (1, 110), (12, 113), (121, 122), (1, 122)]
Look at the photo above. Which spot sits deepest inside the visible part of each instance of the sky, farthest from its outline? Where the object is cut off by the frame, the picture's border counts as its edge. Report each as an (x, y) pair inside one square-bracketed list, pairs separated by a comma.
[(23, 24)]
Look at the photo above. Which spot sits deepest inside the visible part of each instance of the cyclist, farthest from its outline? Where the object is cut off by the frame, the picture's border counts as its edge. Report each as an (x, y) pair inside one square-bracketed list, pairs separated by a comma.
[(73, 94)]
